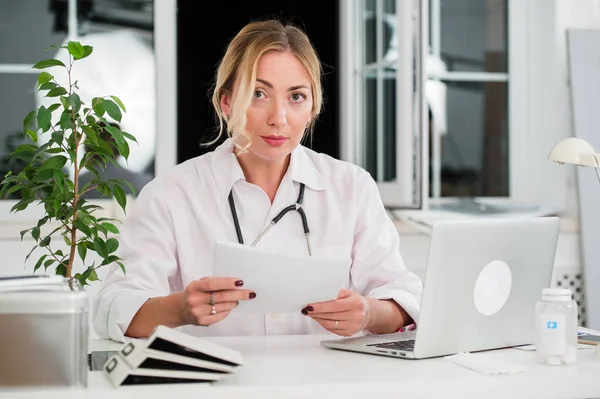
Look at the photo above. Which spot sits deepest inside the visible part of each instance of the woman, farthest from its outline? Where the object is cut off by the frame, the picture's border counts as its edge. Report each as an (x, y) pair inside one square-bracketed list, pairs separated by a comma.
[(267, 97)]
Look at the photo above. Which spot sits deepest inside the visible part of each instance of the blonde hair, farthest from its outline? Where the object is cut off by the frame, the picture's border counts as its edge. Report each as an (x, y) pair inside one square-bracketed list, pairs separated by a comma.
[(240, 63)]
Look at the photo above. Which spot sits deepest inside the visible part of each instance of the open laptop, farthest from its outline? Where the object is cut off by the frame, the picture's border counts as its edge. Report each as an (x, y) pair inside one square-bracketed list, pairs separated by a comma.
[(482, 281)]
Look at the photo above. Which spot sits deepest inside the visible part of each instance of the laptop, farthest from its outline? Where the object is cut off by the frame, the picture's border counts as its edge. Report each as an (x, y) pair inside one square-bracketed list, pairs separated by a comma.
[(482, 281)]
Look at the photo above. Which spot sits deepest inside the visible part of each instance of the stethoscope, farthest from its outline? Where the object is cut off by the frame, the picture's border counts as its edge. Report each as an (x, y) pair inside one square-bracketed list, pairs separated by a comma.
[(297, 206)]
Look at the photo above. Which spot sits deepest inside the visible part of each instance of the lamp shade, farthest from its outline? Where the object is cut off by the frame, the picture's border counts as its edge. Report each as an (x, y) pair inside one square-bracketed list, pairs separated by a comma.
[(574, 151)]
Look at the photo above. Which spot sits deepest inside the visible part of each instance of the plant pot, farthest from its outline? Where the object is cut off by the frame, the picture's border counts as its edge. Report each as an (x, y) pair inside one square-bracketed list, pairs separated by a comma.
[(44, 333)]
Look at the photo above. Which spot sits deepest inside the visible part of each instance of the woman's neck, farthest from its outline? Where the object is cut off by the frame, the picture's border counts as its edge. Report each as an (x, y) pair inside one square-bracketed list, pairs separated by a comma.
[(265, 174)]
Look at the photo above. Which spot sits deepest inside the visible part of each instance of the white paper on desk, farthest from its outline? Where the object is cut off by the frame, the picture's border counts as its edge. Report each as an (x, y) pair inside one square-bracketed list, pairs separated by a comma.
[(283, 283)]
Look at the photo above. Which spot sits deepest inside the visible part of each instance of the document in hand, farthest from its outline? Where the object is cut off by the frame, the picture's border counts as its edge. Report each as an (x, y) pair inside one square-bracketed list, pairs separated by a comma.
[(170, 356), (283, 283)]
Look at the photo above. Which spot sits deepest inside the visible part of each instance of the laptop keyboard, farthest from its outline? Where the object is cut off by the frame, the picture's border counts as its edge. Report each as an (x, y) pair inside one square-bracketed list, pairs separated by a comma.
[(404, 345)]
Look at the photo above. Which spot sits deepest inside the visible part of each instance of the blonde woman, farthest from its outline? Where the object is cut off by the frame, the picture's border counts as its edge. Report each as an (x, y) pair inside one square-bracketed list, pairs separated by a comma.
[(267, 97)]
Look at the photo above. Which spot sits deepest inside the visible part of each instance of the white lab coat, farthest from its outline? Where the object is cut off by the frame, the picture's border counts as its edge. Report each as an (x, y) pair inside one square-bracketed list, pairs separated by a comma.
[(168, 237)]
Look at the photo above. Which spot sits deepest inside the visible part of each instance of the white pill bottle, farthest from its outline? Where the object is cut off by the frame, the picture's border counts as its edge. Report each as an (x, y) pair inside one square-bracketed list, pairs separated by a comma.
[(556, 327)]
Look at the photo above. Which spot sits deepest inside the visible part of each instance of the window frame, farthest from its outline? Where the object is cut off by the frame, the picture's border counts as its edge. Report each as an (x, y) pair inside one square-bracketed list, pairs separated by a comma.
[(520, 16), (403, 193), (165, 41)]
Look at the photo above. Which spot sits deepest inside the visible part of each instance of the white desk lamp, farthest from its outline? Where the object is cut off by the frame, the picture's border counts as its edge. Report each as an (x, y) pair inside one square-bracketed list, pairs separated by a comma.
[(576, 151)]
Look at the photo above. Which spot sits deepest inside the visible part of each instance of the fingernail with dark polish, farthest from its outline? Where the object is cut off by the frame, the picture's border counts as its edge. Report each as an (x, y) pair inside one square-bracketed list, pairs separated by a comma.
[(239, 283), (252, 295), (304, 312), (309, 308)]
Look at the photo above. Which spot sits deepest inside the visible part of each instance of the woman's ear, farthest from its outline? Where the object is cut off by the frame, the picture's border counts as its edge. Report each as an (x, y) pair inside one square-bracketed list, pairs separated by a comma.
[(226, 105)]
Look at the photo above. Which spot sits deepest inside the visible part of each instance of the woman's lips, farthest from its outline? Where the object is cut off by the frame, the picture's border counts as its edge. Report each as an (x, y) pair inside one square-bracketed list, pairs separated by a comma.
[(274, 141)]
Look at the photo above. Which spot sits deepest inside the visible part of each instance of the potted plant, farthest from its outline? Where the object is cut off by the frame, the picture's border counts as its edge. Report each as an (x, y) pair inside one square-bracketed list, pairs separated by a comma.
[(50, 172)]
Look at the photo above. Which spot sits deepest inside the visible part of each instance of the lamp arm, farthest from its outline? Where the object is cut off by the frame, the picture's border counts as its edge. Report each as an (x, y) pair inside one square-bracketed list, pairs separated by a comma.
[(597, 166)]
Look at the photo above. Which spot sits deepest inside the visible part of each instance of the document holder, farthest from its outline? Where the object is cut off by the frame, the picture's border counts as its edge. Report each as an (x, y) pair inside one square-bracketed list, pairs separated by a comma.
[(44, 336)]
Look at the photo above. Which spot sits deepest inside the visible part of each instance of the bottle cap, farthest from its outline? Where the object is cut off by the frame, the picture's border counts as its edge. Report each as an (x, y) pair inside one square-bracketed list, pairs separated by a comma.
[(556, 294)]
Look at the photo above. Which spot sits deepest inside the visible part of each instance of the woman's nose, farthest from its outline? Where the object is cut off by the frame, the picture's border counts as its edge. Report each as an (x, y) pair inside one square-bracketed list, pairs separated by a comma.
[(277, 116)]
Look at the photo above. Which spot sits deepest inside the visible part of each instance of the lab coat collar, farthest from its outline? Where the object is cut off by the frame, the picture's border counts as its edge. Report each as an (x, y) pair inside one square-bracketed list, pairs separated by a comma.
[(227, 169)]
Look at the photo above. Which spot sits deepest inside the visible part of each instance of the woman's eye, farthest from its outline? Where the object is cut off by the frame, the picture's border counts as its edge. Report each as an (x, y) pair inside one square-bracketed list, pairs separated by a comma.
[(258, 94), (296, 97)]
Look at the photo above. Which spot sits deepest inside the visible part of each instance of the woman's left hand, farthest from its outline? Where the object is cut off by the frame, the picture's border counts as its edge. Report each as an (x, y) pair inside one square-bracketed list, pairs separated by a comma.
[(347, 315)]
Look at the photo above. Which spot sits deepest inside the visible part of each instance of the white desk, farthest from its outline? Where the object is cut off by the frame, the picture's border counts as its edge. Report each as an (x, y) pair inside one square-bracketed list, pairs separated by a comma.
[(298, 367)]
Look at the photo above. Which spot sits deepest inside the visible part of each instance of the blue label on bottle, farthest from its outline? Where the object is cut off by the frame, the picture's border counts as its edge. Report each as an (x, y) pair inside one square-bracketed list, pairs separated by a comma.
[(551, 325)]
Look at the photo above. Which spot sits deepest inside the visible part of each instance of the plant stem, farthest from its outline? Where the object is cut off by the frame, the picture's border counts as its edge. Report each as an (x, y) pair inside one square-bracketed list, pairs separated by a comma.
[(75, 184)]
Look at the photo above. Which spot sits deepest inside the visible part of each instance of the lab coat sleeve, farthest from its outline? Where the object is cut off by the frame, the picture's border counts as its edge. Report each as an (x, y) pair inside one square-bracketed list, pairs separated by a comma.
[(148, 250), (378, 270)]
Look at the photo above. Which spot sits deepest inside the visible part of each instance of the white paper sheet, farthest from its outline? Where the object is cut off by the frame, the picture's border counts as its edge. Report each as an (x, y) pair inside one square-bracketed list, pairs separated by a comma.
[(283, 283)]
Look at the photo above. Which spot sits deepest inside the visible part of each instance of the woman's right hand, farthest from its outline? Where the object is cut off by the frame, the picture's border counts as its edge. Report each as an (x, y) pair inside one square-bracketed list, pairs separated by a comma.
[(226, 293)]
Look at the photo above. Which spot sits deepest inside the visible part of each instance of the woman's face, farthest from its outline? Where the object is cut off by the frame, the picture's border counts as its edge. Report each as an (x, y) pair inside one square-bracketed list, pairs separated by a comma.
[(281, 106)]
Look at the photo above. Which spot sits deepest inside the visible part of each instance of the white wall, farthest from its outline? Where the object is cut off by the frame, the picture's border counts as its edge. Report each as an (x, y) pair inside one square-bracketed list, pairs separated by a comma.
[(549, 98)]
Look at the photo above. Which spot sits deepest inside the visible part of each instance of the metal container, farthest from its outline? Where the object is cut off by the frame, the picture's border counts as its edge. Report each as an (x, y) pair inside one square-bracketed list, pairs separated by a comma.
[(44, 336)]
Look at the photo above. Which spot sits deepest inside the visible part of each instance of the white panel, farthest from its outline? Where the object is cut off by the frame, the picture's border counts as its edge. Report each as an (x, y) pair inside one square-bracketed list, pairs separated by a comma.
[(165, 47), (584, 53)]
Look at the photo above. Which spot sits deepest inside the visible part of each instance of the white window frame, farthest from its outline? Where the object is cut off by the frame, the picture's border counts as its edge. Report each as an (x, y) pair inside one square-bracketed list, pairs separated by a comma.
[(165, 50), (403, 192), (523, 18)]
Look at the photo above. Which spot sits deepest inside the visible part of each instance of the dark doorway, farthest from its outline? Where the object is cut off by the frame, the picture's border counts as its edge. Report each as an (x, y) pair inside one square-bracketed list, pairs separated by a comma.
[(205, 27)]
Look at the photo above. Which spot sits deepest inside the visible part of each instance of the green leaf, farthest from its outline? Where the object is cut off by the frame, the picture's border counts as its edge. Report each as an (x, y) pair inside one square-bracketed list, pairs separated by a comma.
[(79, 277), (67, 240), (32, 135), (21, 205), (79, 225), (82, 250), (14, 188), (42, 221), (133, 190), (110, 227), (43, 175), (44, 77), (55, 162), (87, 50), (40, 150), (75, 49), (75, 102), (30, 252), (27, 122), (100, 247), (112, 110), (57, 91), (120, 197), (45, 241), (53, 107), (48, 263), (122, 266), (58, 136), (61, 270), (48, 63), (98, 107), (44, 117), (59, 177), (119, 102), (93, 276), (90, 135), (39, 262), (56, 205), (112, 244), (123, 148), (47, 86), (23, 232), (115, 133), (129, 136), (35, 233)]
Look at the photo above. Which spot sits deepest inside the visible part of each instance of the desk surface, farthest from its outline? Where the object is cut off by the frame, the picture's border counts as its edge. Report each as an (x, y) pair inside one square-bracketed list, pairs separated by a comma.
[(298, 367)]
